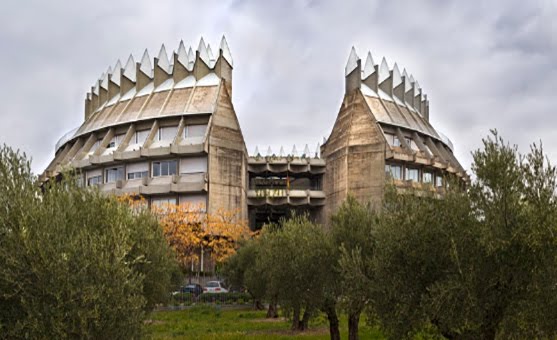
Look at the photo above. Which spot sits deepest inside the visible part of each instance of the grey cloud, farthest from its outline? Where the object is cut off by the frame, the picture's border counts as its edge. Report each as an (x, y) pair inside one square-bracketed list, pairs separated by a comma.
[(483, 64)]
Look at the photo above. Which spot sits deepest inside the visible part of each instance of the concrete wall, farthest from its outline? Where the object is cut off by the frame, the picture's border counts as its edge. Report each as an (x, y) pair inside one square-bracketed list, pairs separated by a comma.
[(227, 159), (355, 155)]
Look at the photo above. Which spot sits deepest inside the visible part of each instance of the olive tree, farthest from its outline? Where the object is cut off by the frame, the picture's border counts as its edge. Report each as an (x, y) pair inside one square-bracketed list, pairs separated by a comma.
[(73, 262), (352, 235), (479, 263), (296, 258)]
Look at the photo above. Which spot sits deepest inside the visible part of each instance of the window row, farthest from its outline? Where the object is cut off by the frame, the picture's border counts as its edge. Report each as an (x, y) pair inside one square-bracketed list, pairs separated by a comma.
[(165, 133), (400, 172), (393, 140), (197, 202), (190, 165)]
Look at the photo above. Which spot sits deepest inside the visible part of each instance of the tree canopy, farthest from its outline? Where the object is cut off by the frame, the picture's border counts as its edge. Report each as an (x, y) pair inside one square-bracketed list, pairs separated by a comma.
[(74, 263)]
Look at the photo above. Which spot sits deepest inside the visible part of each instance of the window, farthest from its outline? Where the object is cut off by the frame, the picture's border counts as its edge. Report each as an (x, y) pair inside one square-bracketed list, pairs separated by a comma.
[(413, 174), (115, 141), (163, 202), (95, 146), (95, 180), (196, 202), (167, 133), (193, 165), (392, 139), (412, 144), (393, 171), (139, 137), (94, 177), (137, 170), (427, 177), (138, 174), (439, 181), (195, 130), (165, 168), (114, 174)]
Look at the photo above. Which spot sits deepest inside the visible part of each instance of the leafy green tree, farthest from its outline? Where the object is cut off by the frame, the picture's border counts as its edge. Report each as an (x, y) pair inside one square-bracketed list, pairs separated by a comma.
[(352, 234), (241, 270), (73, 262), (295, 257), (480, 263)]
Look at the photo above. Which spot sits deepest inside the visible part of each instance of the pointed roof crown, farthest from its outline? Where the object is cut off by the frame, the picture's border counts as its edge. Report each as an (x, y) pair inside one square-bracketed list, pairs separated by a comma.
[(384, 72), (129, 69), (226, 51), (352, 62), (369, 67), (182, 54), (163, 62), (146, 66)]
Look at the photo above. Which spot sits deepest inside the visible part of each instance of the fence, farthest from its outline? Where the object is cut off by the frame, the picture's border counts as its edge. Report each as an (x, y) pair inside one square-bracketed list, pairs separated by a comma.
[(228, 299)]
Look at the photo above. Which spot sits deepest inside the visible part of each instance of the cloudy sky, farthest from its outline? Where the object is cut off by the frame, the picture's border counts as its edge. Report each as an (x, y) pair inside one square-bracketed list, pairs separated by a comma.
[(483, 64)]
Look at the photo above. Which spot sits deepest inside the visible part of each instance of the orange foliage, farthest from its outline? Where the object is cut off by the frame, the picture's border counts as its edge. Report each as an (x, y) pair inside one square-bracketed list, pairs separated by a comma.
[(188, 229)]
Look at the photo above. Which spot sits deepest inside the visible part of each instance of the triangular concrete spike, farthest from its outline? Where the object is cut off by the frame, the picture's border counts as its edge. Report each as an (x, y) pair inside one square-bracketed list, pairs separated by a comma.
[(95, 89), (256, 152), (397, 78), (411, 79), (163, 60), (281, 152), (369, 67), (129, 69), (226, 51), (211, 56), (202, 49), (269, 151), (407, 82), (352, 62), (416, 88), (210, 52), (384, 72), (182, 54), (306, 151), (104, 80), (116, 73), (146, 66), (317, 150), (294, 151)]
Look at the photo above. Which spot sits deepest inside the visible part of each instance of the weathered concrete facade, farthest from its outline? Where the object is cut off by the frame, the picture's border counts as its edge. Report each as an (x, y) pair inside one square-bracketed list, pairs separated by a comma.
[(167, 130)]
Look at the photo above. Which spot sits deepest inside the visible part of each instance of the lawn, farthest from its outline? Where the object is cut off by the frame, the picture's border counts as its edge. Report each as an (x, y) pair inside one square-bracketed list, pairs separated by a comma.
[(207, 322)]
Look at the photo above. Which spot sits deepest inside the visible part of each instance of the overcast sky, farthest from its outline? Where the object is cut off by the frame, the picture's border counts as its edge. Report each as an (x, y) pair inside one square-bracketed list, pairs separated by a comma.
[(483, 64)]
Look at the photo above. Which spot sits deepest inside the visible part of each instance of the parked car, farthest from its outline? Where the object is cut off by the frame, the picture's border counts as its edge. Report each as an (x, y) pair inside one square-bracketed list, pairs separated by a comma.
[(193, 289), (215, 287)]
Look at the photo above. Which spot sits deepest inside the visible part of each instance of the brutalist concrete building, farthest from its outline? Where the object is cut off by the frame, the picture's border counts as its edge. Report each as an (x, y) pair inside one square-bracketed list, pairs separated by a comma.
[(167, 130)]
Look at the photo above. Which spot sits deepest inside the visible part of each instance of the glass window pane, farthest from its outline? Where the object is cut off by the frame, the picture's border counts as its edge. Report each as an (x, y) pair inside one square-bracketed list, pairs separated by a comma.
[(156, 169), (172, 167), (164, 168)]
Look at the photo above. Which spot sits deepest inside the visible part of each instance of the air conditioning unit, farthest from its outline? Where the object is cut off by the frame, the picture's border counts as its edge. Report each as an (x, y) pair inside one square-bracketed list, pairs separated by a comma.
[(120, 183)]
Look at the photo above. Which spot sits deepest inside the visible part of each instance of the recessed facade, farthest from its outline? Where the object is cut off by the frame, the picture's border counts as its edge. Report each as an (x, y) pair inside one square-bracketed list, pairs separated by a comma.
[(167, 130)]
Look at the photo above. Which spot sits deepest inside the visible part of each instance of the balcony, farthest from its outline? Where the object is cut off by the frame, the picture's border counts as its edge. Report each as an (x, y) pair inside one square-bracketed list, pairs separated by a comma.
[(282, 196)]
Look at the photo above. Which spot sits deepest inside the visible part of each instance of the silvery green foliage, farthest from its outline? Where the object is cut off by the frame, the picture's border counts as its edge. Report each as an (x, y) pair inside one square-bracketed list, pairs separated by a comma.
[(480, 263), (74, 263)]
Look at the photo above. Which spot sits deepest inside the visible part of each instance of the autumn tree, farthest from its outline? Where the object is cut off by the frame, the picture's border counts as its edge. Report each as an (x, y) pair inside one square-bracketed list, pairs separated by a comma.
[(190, 230)]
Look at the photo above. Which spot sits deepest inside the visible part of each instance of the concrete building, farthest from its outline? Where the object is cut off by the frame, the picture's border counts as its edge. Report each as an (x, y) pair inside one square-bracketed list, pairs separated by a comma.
[(167, 130)]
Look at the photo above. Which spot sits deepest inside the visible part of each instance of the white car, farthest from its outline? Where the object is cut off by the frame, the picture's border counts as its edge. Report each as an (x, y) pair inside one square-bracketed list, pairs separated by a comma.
[(214, 287)]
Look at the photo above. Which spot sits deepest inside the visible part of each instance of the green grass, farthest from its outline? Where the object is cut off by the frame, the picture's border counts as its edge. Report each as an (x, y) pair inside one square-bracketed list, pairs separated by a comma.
[(206, 322)]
